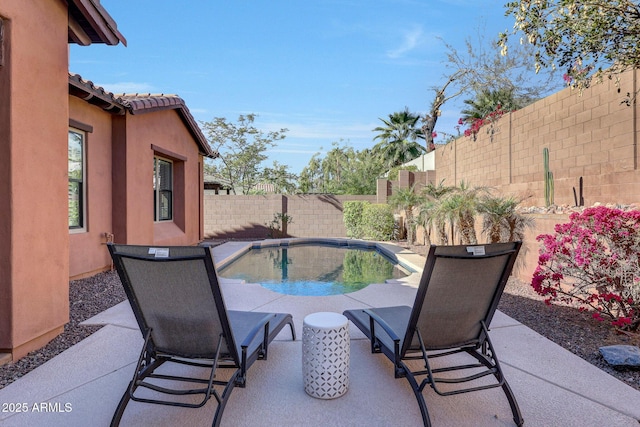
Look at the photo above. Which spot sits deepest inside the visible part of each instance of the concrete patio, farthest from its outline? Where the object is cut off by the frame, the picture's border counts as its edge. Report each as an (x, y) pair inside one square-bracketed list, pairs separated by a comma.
[(82, 386)]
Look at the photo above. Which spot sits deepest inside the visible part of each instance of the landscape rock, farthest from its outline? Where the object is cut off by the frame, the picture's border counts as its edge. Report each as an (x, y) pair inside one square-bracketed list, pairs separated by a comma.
[(621, 355)]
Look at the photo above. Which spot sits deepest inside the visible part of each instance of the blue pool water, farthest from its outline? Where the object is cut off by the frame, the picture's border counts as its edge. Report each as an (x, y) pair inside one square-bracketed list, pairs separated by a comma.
[(313, 269)]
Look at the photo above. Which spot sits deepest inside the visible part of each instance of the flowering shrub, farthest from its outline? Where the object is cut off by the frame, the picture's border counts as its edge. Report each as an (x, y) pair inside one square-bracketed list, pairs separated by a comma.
[(576, 77), (593, 262), (476, 123)]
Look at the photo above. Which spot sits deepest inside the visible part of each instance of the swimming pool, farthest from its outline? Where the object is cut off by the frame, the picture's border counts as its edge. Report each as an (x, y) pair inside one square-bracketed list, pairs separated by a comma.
[(313, 268)]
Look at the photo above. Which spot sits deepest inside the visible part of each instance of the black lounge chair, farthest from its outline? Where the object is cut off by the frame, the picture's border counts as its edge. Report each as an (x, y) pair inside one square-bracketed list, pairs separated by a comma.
[(458, 294), (176, 299)]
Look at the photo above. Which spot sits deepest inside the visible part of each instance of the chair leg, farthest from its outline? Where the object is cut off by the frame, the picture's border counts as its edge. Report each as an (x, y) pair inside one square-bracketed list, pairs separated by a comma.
[(426, 421), (224, 397), (515, 409), (293, 331), (117, 415)]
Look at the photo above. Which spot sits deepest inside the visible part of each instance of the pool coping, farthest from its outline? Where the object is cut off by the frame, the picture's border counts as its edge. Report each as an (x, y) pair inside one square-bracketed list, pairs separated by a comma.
[(410, 261)]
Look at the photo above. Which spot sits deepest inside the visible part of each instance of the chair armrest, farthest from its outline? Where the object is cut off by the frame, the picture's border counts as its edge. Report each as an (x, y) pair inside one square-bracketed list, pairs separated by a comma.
[(263, 324), (380, 321)]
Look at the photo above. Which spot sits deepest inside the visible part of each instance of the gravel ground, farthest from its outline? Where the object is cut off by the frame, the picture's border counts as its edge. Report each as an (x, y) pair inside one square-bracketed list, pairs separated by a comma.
[(576, 331), (87, 298), (573, 330)]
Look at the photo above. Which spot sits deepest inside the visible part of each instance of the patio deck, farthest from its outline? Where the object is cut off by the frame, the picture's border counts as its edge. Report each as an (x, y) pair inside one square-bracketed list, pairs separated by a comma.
[(82, 386)]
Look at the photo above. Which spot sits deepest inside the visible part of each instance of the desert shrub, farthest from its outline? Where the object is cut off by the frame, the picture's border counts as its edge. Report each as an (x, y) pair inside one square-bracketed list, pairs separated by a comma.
[(352, 217), (378, 222), (593, 263), (278, 225)]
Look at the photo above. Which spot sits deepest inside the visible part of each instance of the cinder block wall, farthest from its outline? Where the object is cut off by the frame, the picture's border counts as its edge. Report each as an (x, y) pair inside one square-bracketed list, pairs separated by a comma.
[(406, 179), (593, 136), (248, 217), (239, 217), (319, 215)]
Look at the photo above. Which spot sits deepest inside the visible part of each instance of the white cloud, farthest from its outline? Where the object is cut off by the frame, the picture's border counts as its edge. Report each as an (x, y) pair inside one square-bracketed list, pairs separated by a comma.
[(411, 39)]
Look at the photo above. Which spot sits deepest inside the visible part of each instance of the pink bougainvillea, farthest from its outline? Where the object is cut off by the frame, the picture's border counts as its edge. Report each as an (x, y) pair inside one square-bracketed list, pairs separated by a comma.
[(593, 262), (477, 123)]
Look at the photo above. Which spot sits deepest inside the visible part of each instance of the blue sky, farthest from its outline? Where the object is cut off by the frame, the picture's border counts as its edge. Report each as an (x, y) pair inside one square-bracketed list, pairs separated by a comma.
[(327, 70)]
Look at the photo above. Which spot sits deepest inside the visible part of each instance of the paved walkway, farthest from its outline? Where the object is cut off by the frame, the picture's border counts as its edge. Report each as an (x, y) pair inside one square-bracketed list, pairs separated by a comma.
[(82, 386)]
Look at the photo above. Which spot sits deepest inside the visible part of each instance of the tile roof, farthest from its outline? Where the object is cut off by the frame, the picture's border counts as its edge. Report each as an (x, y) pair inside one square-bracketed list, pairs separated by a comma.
[(95, 95), (138, 104), (89, 22), (148, 103)]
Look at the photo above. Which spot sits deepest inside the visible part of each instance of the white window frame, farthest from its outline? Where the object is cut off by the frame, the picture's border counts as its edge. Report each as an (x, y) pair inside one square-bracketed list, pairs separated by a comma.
[(157, 206), (82, 227)]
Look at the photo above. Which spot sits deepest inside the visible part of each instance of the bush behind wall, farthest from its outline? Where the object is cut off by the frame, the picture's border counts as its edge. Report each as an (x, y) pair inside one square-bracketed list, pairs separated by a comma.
[(364, 220)]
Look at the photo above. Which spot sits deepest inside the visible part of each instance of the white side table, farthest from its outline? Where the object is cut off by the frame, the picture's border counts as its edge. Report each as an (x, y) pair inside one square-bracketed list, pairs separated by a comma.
[(325, 355)]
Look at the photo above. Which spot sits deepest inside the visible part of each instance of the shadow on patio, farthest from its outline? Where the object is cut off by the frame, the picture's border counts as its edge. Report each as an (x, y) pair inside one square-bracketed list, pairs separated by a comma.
[(83, 385)]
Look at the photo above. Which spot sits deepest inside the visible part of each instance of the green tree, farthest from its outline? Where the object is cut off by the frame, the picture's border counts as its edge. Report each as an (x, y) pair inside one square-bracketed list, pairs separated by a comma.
[(586, 39), (310, 180), (241, 147), (342, 170), (363, 170), (334, 164), (283, 181), (398, 138)]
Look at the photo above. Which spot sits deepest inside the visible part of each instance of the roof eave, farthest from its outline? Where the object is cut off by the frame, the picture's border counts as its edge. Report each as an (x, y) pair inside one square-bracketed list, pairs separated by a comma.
[(94, 95), (137, 104), (89, 22)]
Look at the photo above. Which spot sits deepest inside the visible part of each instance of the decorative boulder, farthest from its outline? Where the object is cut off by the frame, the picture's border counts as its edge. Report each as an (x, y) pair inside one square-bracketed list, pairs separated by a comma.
[(621, 356)]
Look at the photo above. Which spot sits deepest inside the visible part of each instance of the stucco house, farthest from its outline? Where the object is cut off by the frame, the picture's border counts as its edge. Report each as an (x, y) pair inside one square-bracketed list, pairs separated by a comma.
[(82, 167)]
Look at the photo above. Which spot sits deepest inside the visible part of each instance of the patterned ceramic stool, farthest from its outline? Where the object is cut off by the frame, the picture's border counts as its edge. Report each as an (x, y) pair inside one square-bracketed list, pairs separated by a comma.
[(325, 355)]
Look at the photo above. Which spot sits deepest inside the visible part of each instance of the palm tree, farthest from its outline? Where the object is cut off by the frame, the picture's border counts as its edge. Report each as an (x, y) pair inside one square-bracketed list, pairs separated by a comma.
[(496, 212), (398, 138), (406, 199), (459, 207), (430, 216), (488, 101), (501, 221)]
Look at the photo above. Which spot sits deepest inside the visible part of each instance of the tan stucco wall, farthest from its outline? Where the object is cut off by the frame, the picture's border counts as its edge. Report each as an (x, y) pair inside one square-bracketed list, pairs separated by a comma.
[(87, 252), (134, 136), (33, 223)]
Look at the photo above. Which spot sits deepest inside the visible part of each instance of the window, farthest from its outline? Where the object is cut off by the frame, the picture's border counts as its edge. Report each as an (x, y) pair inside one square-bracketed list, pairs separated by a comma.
[(162, 189), (77, 193)]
